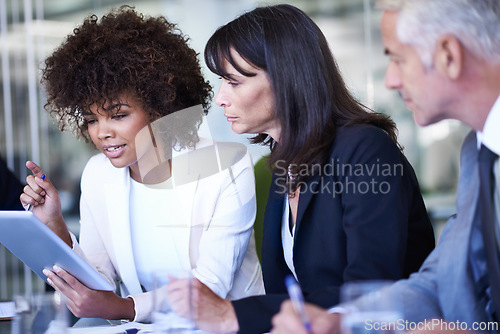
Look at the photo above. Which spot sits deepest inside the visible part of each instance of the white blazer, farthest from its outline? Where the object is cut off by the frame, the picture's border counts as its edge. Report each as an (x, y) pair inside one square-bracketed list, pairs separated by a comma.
[(218, 245)]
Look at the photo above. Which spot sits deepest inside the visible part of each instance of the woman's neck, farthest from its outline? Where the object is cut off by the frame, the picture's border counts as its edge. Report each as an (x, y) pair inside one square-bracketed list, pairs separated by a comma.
[(158, 174)]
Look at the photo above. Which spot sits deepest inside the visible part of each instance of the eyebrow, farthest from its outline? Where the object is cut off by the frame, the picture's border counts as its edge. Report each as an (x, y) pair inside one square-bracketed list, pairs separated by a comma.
[(118, 105), (233, 75), (87, 112)]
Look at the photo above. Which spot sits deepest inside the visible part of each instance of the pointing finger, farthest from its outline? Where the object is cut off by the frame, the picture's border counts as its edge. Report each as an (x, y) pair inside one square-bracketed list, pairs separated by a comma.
[(35, 169)]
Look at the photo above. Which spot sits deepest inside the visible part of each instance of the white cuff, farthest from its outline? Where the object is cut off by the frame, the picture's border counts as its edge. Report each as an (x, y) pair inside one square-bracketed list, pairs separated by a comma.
[(338, 309)]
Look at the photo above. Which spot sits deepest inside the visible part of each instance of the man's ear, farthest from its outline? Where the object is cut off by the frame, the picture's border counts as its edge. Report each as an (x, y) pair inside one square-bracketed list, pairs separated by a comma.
[(448, 57)]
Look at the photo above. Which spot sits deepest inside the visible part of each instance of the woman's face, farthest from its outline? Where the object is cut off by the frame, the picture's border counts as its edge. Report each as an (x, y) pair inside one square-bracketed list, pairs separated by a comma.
[(114, 132), (248, 101)]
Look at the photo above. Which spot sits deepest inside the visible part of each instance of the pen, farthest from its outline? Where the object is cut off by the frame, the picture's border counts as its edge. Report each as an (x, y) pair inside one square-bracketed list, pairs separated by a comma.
[(131, 330), (298, 301), (28, 208)]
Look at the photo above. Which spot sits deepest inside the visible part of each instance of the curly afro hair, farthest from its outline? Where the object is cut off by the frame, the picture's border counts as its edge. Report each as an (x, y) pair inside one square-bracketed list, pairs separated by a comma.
[(124, 53)]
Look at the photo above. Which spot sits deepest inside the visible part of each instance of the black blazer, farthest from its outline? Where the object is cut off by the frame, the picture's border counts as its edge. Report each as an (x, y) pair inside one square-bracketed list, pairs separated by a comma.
[(10, 189), (361, 217)]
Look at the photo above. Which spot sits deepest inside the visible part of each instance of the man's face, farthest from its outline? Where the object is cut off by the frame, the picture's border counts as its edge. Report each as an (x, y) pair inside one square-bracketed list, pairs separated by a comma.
[(422, 89)]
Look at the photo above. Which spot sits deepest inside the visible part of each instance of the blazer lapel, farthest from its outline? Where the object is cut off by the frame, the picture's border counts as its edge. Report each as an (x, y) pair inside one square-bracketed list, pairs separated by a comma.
[(457, 262), (306, 197), (118, 199), (274, 267)]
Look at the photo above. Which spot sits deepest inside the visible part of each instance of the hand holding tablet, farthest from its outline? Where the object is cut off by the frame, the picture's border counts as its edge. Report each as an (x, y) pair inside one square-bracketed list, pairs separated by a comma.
[(38, 247)]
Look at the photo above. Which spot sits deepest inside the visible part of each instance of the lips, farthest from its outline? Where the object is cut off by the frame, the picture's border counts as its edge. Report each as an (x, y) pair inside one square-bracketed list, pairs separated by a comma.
[(231, 118), (408, 101), (113, 151)]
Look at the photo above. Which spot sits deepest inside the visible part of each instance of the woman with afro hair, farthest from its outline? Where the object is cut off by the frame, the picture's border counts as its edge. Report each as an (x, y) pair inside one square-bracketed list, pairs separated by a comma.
[(151, 199)]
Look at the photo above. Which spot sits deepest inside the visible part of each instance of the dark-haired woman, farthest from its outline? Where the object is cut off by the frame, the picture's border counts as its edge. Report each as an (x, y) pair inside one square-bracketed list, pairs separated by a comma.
[(344, 204), (133, 86)]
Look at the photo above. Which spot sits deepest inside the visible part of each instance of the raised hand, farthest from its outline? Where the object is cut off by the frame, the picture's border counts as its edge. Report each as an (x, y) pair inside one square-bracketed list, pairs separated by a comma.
[(43, 199)]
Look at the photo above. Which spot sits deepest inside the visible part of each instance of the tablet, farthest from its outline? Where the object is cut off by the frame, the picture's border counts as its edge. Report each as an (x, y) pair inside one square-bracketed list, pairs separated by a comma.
[(25, 236)]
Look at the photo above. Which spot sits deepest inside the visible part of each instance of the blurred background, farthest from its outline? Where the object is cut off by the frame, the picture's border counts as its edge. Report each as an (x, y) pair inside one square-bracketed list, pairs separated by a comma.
[(32, 29)]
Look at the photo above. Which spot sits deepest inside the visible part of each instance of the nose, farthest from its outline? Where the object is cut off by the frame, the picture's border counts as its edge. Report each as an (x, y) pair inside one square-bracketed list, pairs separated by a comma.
[(104, 130), (393, 77), (221, 98)]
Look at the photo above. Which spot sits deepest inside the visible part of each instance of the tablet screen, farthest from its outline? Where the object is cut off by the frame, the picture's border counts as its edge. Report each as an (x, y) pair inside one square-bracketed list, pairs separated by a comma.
[(25, 236)]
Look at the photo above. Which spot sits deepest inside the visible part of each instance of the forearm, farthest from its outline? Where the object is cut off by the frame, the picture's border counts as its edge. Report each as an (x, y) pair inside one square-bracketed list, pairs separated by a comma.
[(229, 321), (59, 227), (122, 308), (105, 305)]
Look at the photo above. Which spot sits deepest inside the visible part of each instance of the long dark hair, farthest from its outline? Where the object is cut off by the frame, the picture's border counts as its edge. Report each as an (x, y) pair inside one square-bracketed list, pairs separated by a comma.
[(310, 96)]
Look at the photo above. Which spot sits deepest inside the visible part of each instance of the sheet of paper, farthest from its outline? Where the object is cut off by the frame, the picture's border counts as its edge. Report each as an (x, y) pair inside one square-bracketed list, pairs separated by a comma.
[(7, 310), (143, 329)]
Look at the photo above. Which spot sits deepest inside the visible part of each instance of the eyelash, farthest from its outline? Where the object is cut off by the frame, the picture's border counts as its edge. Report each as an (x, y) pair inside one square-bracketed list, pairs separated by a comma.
[(119, 116), (229, 82), (116, 117)]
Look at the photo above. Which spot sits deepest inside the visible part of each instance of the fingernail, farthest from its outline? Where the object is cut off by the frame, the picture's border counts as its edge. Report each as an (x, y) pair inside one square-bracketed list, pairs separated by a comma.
[(50, 281), (57, 268), (43, 176), (46, 272)]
